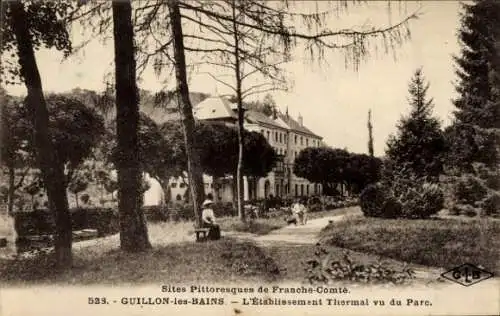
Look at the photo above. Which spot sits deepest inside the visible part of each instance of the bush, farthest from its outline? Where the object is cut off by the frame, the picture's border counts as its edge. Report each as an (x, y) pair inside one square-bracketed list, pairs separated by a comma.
[(223, 209), (468, 190), (421, 200), (464, 210), (41, 222), (491, 204), (155, 213), (376, 200)]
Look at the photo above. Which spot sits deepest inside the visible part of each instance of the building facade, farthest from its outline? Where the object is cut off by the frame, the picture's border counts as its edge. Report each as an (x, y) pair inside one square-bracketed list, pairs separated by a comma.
[(286, 135)]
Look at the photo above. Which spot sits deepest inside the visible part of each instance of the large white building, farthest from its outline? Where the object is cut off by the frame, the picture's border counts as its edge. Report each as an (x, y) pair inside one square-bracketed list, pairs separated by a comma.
[(285, 134)]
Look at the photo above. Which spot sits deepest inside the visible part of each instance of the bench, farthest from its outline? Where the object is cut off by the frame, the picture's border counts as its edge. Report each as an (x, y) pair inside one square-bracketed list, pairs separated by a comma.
[(201, 234)]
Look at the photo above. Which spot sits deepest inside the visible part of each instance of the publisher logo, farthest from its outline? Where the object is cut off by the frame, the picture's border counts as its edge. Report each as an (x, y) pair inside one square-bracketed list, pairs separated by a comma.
[(467, 274)]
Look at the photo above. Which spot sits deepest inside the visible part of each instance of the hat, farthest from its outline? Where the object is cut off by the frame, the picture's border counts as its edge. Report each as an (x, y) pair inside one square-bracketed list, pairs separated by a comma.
[(207, 202)]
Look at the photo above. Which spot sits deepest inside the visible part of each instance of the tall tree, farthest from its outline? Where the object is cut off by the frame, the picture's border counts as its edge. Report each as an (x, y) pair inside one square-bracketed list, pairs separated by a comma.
[(186, 111), (473, 137), (32, 24), (477, 65), (15, 155), (370, 133), (133, 227), (418, 147)]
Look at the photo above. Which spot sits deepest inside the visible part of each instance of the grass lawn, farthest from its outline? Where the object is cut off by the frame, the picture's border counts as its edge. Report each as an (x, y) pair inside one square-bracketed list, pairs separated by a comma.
[(444, 243), (264, 226), (223, 261), (175, 258)]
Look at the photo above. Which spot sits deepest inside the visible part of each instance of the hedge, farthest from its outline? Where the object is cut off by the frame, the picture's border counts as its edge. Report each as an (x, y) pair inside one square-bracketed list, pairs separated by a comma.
[(42, 221)]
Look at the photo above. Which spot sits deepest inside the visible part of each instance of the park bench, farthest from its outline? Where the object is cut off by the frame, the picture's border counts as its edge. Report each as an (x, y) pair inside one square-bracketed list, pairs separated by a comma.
[(201, 234)]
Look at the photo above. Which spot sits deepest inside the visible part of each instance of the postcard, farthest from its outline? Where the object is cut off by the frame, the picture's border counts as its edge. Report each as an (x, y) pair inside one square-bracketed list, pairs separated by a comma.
[(249, 158)]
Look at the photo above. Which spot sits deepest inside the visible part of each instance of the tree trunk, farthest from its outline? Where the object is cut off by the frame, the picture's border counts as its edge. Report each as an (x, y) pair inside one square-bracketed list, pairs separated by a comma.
[(133, 228), (165, 187), (48, 161), (239, 97), (185, 108), (10, 194), (76, 199)]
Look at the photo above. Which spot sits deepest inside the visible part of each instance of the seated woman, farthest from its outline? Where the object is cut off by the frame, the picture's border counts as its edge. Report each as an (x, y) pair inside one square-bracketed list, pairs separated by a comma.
[(208, 220)]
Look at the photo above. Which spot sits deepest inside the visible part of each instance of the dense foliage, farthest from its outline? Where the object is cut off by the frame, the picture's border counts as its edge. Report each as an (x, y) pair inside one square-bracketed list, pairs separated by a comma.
[(333, 166), (419, 145), (474, 136)]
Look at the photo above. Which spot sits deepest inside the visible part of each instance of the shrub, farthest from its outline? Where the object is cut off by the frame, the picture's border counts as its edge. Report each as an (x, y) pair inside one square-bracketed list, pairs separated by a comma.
[(421, 200), (376, 200), (464, 210), (41, 222), (222, 209), (491, 204), (468, 189), (155, 213), (316, 207)]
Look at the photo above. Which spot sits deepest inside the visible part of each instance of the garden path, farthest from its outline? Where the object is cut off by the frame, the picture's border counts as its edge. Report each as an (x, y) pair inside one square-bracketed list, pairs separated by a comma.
[(304, 235)]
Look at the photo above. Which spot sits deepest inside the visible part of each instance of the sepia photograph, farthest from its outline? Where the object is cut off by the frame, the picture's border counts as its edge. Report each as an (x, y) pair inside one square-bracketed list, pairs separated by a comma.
[(249, 157)]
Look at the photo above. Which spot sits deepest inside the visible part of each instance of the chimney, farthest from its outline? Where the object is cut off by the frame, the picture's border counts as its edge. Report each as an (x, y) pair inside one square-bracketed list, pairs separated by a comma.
[(300, 119)]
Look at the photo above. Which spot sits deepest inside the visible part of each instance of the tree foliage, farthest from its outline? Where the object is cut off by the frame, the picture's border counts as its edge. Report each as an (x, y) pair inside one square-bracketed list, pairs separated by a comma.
[(47, 25), (477, 65), (75, 130), (419, 145), (332, 166), (474, 135)]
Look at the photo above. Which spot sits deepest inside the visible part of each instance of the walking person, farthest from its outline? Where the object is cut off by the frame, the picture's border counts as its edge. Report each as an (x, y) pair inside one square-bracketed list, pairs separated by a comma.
[(298, 211), (304, 211), (208, 220)]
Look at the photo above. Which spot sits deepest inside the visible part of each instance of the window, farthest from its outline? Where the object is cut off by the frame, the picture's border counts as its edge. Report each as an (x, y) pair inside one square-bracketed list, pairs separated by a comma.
[(285, 152), (295, 139), (307, 189), (301, 190), (276, 136), (307, 142), (296, 189), (281, 140), (173, 184), (262, 131), (182, 185), (268, 136), (301, 140)]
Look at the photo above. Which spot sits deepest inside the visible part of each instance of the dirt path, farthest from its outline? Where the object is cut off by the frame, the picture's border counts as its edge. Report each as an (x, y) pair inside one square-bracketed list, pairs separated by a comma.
[(293, 241)]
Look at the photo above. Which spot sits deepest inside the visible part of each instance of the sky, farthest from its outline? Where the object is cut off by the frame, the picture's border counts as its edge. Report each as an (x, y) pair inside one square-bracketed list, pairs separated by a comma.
[(333, 100)]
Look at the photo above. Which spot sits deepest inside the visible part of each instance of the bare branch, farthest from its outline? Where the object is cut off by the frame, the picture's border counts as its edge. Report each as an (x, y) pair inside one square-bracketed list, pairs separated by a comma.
[(220, 81)]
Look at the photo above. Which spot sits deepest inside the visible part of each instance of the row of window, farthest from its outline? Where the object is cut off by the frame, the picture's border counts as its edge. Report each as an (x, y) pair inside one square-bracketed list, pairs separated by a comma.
[(280, 137), (300, 189), (183, 185)]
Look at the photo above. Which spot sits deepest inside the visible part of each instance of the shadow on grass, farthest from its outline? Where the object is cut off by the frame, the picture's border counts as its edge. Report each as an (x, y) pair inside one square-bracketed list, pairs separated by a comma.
[(226, 260)]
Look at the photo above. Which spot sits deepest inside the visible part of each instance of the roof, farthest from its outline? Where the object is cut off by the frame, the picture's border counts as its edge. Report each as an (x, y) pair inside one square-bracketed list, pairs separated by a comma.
[(214, 108), (253, 116), (170, 111), (296, 126)]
